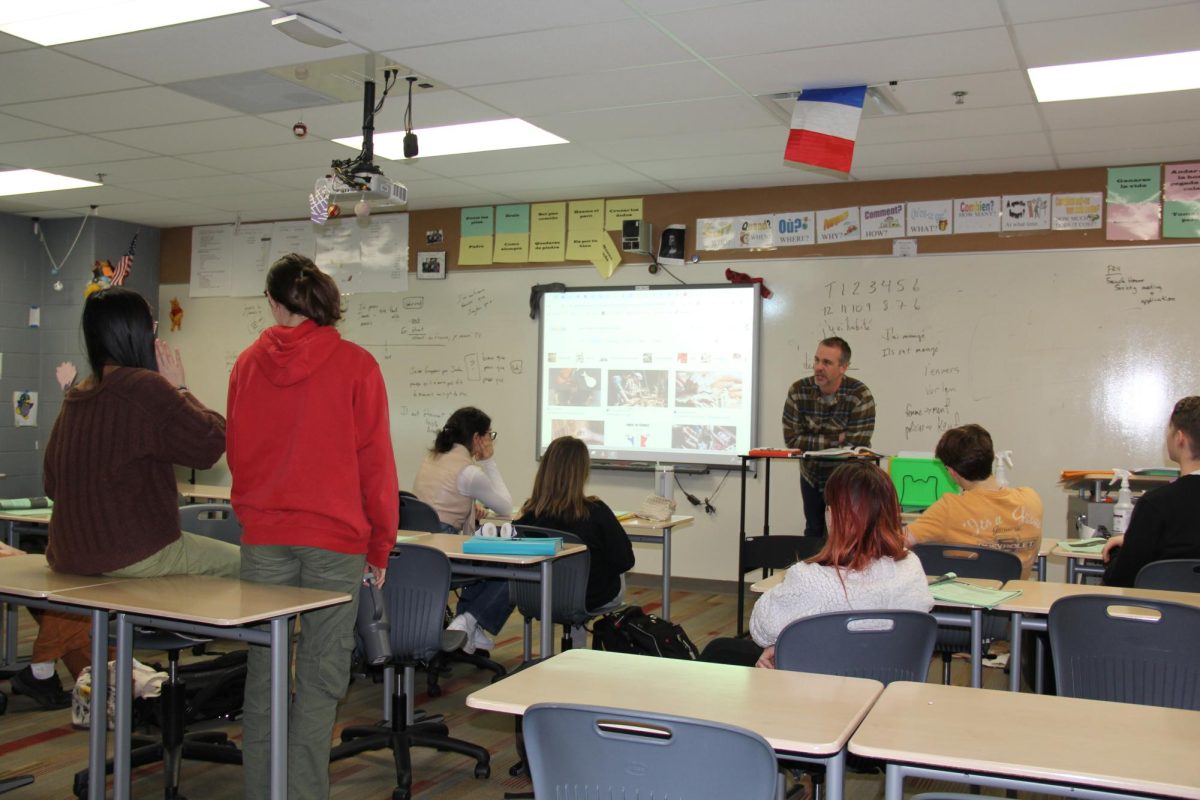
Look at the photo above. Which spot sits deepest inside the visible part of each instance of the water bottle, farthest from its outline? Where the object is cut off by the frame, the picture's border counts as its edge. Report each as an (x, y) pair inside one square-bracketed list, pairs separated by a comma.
[(372, 627), (664, 481)]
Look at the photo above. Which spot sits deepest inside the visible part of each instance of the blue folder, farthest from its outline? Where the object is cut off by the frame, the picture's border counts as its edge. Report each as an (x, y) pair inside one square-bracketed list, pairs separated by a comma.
[(487, 545)]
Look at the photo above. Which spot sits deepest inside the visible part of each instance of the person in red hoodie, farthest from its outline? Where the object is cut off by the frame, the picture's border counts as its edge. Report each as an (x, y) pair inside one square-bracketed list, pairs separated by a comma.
[(314, 485)]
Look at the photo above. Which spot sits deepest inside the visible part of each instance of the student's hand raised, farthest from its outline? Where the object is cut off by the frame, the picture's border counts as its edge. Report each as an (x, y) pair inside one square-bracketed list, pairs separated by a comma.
[(170, 364)]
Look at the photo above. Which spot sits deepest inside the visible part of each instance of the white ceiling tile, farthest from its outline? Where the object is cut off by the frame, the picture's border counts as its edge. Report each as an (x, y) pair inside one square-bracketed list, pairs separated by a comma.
[(671, 6), (543, 54), (638, 86), (65, 150), (220, 46), (430, 110), (44, 74), (773, 25), (934, 56), (296, 155), (1150, 136), (713, 143), (112, 111), (82, 198), (231, 187), (167, 213), (203, 136), (977, 166), (9, 43), (138, 170), (984, 90), (478, 197), (963, 123), (563, 178), (721, 113), (793, 177), (556, 156), (732, 165), (1105, 36), (1164, 107), (1129, 156), (13, 129), (1038, 10), (385, 24), (625, 189), (925, 152)]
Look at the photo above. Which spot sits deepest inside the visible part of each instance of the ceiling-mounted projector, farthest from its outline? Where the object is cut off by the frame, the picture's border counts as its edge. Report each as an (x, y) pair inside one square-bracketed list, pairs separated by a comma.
[(375, 188)]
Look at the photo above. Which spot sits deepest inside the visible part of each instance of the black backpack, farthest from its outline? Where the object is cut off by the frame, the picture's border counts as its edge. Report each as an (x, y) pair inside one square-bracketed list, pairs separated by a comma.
[(631, 630)]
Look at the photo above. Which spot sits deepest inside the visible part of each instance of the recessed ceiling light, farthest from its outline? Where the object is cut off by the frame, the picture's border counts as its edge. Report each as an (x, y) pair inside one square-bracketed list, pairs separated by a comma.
[(51, 22), (472, 137), (28, 181), (1173, 72)]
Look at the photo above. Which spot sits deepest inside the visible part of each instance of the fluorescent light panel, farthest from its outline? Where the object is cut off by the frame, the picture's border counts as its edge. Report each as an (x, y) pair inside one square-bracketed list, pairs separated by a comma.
[(51, 22), (1173, 72), (472, 137), (28, 181)]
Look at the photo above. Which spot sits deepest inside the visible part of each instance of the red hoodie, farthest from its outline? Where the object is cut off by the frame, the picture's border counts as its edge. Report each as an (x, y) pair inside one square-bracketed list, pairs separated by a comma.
[(309, 444)]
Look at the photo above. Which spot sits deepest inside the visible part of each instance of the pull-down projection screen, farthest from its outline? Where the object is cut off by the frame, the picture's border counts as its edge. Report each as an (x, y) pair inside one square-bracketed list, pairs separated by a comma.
[(651, 374)]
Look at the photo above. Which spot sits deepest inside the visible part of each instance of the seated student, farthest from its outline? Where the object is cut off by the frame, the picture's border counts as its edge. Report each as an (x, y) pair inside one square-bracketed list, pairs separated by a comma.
[(558, 502), (109, 463), (863, 566), (1166, 520), (986, 514), (458, 472)]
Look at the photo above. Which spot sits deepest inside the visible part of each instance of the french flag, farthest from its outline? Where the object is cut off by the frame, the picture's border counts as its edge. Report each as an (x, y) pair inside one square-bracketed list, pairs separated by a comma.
[(824, 125)]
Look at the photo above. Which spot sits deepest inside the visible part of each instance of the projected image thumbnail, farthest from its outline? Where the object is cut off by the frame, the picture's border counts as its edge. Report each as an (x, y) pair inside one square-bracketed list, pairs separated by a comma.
[(703, 437), (707, 390), (574, 387), (637, 387), (591, 431)]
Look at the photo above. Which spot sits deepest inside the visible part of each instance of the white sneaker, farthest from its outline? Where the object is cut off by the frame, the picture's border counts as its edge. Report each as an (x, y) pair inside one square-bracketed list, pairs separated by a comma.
[(480, 641), (467, 624)]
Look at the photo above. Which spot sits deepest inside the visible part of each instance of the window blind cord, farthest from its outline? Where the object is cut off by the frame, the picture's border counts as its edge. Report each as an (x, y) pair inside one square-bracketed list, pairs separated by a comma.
[(55, 266)]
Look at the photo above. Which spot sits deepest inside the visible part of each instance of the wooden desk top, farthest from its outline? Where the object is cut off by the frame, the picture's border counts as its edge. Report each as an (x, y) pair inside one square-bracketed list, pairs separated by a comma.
[(1068, 553), (638, 524), (794, 711), (201, 491), (31, 576), (774, 580), (1143, 748), (33, 516), (1047, 546), (1036, 597), (203, 599), (1136, 482), (451, 544)]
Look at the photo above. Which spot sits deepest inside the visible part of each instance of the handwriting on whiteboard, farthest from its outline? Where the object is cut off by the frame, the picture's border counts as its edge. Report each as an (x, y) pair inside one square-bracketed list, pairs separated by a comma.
[(1147, 293)]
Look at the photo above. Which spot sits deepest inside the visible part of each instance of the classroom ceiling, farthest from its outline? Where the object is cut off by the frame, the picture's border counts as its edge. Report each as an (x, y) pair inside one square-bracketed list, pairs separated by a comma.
[(192, 124)]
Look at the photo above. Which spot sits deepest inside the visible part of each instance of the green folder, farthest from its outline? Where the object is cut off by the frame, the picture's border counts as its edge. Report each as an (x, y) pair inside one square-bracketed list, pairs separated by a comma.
[(1085, 546), (955, 591)]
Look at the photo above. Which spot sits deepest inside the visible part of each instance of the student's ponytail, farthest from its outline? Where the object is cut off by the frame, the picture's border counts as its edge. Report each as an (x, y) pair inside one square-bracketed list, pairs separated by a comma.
[(461, 429), (297, 284)]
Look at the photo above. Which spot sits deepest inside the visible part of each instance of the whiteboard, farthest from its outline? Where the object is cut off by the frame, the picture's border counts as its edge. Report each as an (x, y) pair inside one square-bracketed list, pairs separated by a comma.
[(1072, 359)]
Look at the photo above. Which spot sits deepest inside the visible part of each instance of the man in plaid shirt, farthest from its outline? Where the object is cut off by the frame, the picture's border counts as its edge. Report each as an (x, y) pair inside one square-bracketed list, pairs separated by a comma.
[(826, 410)]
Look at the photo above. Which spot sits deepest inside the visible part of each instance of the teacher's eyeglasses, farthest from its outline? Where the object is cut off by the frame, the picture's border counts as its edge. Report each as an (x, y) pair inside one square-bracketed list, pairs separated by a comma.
[(490, 434)]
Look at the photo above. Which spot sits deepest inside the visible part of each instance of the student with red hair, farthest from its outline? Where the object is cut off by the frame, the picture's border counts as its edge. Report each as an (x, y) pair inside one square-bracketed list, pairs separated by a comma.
[(863, 566)]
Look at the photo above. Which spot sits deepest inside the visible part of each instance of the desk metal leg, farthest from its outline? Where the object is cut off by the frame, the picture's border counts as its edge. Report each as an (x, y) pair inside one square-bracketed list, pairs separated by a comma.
[(10, 610), (1041, 568), (1071, 577), (280, 645), (893, 783), (1039, 670), (835, 776), (547, 648), (98, 727), (1014, 648), (123, 713), (666, 576), (977, 647)]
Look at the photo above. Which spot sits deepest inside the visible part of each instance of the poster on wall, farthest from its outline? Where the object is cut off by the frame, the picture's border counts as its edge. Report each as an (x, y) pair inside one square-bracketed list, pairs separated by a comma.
[(25, 408), (1181, 193), (883, 222), (756, 233), (930, 218), (1133, 204), (715, 233), (365, 258), (1076, 212), (1026, 212), (795, 228), (837, 225), (977, 215)]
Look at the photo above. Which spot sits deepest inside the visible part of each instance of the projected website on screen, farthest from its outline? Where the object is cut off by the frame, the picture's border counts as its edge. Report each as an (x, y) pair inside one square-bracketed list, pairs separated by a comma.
[(659, 374)]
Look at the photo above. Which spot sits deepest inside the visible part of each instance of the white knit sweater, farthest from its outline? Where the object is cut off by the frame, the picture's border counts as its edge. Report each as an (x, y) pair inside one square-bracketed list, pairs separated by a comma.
[(809, 589)]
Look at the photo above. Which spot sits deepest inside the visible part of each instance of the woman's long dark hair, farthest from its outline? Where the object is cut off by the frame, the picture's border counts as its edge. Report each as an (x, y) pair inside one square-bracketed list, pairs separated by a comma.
[(461, 429), (558, 487), (118, 328), (297, 284)]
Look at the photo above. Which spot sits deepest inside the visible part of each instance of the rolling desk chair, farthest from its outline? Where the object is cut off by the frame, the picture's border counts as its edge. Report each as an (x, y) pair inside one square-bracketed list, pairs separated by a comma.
[(968, 561), (570, 591), (418, 580), (771, 553), (1173, 575)]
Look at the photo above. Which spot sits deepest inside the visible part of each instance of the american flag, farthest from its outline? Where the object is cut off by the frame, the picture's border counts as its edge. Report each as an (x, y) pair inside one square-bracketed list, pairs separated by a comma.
[(125, 264)]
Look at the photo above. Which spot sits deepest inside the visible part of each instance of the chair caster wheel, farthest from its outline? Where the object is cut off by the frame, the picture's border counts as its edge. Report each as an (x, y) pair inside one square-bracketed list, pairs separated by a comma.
[(517, 769), (483, 771)]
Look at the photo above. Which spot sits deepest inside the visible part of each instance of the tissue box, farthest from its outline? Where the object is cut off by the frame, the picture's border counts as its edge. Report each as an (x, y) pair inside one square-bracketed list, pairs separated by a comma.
[(487, 545)]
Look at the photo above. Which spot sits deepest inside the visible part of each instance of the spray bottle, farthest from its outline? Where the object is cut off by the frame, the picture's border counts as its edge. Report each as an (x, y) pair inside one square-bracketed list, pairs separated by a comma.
[(1003, 459), (1123, 510)]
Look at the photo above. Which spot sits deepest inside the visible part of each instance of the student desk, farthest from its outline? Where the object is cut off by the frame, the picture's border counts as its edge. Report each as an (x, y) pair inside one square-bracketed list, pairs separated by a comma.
[(1036, 598), (199, 492), (804, 716), (1047, 548), (653, 532), (1093, 563), (29, 581), (195, 604), (984, 737), (36, 516), (510, 567)]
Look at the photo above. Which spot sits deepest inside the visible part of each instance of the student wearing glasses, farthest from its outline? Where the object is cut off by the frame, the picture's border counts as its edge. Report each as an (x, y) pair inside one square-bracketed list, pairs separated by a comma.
[(458, 474)]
